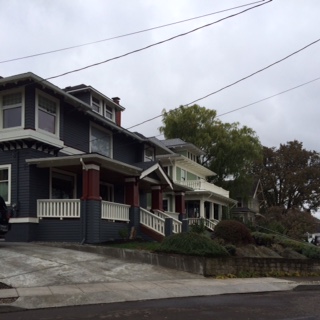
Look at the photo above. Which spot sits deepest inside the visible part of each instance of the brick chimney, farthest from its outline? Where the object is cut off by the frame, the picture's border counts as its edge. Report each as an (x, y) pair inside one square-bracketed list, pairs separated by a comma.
[(118, 112)]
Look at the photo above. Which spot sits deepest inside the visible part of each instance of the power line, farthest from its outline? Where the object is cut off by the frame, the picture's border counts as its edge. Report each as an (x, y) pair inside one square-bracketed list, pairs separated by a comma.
[(232, 84), (127, 34), (155, 44), (234, 110)]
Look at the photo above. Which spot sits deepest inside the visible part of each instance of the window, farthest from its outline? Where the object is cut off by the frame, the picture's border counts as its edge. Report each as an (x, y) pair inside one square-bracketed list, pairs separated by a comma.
[(47, 114), (101, 141), (96, 105), (109, 112), (148, 154), (106, 192), (62, 185), (11, 104), (5, 183), (183, 175)]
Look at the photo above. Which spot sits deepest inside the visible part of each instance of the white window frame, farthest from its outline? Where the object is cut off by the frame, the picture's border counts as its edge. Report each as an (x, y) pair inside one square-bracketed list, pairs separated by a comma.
[(109, 112), (8, 167), (57, 120), (66, 173), (184, 176), (107, 133), (2, 107), (94, 104)]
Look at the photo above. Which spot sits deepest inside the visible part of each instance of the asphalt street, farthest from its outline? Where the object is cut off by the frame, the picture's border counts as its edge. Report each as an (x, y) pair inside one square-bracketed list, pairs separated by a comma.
[(294, 305)]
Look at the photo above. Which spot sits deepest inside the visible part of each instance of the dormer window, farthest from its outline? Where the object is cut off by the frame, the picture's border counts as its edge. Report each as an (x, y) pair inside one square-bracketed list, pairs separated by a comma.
[(100, 106), (109, 112), (96, 105)]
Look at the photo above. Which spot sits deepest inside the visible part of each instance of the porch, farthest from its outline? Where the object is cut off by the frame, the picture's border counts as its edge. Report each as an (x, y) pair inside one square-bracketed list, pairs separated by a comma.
[(113, 221)]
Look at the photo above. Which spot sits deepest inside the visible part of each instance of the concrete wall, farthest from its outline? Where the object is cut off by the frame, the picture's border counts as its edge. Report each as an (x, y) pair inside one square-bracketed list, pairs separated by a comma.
[(260, 266)]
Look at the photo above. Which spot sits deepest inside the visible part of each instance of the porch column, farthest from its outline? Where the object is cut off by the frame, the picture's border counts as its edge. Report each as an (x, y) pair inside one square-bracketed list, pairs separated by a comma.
[(91, 182), (132, 192), (219, 212), (157, 198), (211, 210), (180, 205), (202, 212)]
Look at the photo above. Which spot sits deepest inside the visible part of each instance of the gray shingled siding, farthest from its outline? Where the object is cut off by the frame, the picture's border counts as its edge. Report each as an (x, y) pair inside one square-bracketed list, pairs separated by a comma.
[(126, 149), (30, 102), (78, 126), (83, 96), (112, 230), (93, 221), (68, 230), (22, 232)]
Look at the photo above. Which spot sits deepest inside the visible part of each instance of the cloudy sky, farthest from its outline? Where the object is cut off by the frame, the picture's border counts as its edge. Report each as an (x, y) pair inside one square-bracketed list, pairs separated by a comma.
[(182, 70)]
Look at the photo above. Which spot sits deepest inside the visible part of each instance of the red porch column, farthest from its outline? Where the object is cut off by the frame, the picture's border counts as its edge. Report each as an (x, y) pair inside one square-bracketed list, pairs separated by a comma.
[(132, 192), (92, 179), (157, 198), (180, 205)]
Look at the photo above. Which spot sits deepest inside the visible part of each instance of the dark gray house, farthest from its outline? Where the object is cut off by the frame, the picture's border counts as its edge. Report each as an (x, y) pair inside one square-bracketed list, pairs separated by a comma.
[(70, 172)]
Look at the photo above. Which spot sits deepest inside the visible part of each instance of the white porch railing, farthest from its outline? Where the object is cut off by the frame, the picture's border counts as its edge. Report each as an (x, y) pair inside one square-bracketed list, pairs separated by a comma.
[(210, 224), (152, 221), (58, 208), (177, 225), (204, 185), (114, 211)]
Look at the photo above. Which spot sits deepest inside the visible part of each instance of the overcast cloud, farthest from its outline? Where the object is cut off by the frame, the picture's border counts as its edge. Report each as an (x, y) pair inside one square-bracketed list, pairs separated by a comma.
[(181, 70)]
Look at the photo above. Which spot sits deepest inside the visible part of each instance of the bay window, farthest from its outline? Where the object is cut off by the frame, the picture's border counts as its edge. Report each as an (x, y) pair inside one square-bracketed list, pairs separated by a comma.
[(47, 114), (11, 110)]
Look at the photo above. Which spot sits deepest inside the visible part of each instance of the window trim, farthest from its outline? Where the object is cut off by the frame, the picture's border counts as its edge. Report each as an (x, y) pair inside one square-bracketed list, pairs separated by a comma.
[(108, 132), (8, 167), (12, 91), (57, 124), (66, 173)]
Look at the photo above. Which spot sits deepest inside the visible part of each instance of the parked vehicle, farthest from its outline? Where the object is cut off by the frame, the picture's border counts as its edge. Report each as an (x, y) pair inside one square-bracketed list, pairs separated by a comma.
[(4, 218)]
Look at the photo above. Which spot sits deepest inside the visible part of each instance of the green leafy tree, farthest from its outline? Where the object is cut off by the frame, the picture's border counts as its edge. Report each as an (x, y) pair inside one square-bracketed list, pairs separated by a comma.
[(230, 150), (290, 176)]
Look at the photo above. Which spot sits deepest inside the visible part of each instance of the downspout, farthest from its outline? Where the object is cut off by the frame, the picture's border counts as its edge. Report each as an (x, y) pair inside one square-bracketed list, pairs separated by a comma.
[(84, 167)]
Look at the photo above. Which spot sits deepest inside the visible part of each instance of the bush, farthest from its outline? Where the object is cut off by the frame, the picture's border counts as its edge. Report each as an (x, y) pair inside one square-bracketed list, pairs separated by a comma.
[(198, 227), (308, 250), (231, 249), (233, 232), (191, 243)]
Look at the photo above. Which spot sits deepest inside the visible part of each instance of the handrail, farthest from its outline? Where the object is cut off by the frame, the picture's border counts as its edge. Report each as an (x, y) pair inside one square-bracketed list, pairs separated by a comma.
[(177, 225), (210, 224), (152, 221)]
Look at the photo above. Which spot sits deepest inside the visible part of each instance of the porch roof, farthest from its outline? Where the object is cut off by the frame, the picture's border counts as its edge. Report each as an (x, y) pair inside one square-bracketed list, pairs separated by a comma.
[(186, 163), (84, 159), (211, 195)]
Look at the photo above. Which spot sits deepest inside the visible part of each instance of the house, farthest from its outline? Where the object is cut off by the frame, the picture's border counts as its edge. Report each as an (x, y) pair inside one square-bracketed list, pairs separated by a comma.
[(70, 172), (249, 207), (180, 161)]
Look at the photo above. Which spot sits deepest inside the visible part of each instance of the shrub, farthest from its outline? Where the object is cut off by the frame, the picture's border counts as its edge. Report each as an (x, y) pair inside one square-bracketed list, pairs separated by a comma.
[(231, 249), (191, 243), (263, 239), (233, 232), (198, 227)]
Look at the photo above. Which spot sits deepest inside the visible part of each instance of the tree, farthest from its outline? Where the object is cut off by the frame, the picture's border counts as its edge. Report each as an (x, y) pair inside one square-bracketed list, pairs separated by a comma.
[(290, 176), (230, 150)]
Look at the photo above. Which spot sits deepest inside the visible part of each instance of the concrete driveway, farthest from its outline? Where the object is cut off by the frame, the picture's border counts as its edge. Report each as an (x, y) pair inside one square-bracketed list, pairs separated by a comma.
[(32, 265)]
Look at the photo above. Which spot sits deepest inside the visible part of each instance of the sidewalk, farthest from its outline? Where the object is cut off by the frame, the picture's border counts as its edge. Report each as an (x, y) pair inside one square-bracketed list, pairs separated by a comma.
[(106, 292), (43, 276)]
